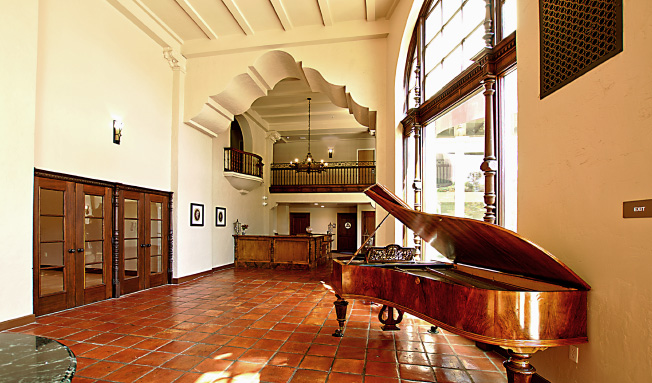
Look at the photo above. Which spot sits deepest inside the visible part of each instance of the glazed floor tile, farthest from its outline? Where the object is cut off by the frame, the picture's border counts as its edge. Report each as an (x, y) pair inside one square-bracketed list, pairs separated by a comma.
[(256, 325)]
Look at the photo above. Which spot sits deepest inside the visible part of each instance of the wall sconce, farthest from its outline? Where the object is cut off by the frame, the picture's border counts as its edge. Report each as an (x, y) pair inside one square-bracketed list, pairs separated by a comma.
[(330, 152), (117, 131), (264, 200)]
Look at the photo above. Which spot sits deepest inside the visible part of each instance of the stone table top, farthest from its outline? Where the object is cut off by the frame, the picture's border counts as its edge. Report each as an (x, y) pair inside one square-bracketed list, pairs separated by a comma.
[(30, 358)]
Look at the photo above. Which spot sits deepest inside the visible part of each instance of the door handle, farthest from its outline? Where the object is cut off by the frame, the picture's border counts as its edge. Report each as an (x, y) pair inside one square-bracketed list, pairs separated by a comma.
[(80, 250), (149, 245), (71, 251), (142, 245)]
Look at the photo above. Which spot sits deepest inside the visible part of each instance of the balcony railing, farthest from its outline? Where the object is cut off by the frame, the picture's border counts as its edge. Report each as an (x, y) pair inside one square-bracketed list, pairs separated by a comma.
[(243, 162), (350, 176)]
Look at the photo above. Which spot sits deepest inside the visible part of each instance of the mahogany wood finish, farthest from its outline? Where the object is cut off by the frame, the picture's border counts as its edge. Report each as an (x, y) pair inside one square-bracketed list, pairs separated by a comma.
[(75, 189), (346, 231), (290, 251), (498, 287), (145, 277), (75, 290), (298, 223)]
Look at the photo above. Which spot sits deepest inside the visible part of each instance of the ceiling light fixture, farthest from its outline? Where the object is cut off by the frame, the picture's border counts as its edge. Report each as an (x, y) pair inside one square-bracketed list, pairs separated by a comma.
[(308, 165)]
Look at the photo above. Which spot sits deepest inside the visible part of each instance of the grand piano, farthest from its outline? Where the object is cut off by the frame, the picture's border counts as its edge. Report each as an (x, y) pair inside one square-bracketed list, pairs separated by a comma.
[(493, 286)]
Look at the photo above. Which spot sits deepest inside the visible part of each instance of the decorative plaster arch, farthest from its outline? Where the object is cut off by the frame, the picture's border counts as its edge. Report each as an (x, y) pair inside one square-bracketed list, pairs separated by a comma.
[(267, 71)]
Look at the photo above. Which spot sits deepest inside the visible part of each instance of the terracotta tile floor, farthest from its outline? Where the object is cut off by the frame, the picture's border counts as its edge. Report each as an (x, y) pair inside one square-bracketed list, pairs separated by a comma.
[(256, 326)]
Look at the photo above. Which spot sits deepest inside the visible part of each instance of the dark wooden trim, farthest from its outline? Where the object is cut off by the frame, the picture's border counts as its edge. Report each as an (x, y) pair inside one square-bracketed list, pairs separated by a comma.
[(95, 182), (224, 267), (318, 188), (190, 277), (170, 239), (491, 62), (17, 322), (116, 242)]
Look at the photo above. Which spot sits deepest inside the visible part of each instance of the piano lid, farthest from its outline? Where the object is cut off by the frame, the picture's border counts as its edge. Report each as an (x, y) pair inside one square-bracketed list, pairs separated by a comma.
[(476, 243)]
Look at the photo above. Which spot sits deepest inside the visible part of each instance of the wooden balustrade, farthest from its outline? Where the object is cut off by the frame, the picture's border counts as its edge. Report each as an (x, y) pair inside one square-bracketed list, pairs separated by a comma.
[(350, 176), (243, 162)]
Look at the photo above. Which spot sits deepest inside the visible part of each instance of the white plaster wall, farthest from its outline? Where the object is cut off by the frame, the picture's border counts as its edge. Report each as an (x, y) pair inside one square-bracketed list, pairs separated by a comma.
[(194, 243), (17, 114), (343, 150), (94, 66), (583, 151)]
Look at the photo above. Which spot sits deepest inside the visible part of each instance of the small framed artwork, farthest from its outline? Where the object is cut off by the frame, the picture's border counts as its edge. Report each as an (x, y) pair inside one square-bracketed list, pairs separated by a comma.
[(196, 214), (220, 216)]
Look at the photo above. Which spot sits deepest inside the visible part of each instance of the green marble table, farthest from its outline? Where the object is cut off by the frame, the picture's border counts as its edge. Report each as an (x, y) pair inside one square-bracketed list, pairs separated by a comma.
[(30, 358)]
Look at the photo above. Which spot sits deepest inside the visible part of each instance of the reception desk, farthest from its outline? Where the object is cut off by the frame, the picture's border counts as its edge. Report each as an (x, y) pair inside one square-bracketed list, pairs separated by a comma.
[(287, 251)]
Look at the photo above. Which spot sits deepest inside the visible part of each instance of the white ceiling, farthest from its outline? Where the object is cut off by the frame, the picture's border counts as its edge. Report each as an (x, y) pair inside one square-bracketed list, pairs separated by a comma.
[(214, 27)]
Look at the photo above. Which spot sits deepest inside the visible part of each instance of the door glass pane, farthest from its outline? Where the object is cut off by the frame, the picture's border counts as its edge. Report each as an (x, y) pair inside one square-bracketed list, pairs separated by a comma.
[(156, 265), (94, 229), (51, 266), (156, 247), (130, 258), (131, 228), (93, 205), (156, 209), (156, 229), (131, 208), (51, 202), (94, 263), (51, 229), (51, 244)]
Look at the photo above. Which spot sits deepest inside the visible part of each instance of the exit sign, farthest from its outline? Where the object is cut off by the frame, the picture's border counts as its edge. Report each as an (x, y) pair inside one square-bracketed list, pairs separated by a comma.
[(637, 209)]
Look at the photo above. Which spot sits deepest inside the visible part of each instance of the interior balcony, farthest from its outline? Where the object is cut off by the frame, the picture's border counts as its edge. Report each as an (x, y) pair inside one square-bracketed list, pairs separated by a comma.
[(243, 170), (336, 177)]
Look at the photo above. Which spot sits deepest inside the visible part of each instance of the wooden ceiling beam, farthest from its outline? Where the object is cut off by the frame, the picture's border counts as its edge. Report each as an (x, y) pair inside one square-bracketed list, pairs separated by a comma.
[(239, 17), (197, 19)]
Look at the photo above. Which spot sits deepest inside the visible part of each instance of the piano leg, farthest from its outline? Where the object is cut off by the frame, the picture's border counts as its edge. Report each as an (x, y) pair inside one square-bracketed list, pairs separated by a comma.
[(389, 323), (340, 311), (519, 369)]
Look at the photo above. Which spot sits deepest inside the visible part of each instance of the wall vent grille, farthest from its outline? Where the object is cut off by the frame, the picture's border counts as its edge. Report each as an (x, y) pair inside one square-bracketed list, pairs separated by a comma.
[(575, 37)]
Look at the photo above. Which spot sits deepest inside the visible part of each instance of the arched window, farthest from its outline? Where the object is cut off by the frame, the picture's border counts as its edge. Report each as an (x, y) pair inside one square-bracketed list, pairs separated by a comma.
[(460, 105)]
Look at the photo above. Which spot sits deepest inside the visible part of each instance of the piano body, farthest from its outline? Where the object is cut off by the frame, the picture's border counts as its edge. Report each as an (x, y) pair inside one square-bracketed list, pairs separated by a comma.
[(498, 288)]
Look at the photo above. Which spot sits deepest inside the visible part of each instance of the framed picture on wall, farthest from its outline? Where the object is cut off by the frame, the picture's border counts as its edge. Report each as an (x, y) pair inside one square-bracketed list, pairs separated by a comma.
[(220, 216), (196, 214)]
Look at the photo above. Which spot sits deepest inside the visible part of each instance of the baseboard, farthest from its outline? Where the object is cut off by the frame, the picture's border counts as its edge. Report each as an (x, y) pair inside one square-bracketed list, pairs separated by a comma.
[(224, 267), (17, 322), (176, 281)]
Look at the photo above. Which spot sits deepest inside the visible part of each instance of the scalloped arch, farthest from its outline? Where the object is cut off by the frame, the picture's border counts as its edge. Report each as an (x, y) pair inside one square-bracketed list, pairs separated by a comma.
[(267, 71)]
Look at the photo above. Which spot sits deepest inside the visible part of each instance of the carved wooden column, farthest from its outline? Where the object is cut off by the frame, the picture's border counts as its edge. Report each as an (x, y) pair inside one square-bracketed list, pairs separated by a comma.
[(170, 237), (116, 242), (488, 166), (417, 185)]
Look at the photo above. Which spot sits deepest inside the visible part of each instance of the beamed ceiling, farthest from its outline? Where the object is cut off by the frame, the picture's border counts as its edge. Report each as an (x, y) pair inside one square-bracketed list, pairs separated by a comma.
[(199, 28)]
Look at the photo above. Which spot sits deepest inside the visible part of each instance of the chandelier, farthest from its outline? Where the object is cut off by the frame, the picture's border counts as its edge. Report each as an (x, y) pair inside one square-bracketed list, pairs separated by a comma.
[(308, 165)]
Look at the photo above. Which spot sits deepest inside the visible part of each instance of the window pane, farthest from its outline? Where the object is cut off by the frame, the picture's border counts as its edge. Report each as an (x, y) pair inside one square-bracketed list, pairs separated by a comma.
[(433, 22), (509, 17), (454, 146), (509, 141)]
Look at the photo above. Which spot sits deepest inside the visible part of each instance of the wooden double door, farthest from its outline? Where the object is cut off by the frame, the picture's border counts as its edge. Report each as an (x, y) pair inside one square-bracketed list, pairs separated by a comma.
[(75, 261), (72, 244), (143, 227)]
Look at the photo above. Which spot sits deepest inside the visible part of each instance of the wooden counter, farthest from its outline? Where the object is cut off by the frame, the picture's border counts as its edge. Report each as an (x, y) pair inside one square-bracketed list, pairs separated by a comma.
[(288, 251)]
